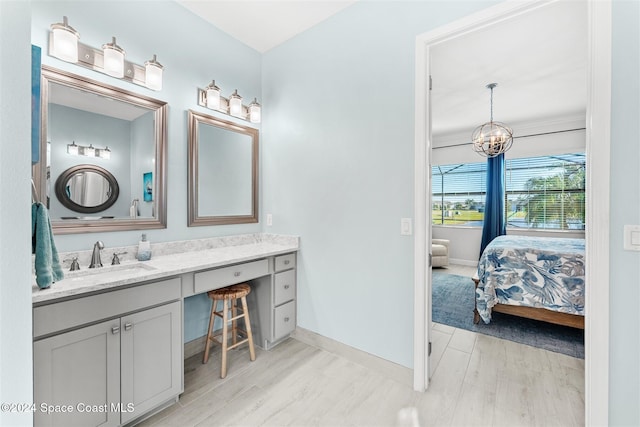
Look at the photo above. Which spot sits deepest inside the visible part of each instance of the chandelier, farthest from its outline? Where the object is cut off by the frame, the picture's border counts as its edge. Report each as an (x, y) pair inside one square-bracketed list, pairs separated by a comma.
[(492, 138)]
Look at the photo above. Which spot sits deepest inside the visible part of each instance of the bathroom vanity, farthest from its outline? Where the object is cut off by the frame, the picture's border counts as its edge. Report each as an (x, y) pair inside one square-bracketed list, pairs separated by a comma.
[(108, 344)]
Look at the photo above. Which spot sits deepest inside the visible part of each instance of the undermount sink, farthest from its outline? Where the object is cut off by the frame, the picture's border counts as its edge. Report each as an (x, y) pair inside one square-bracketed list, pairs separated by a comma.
[(119, 270)]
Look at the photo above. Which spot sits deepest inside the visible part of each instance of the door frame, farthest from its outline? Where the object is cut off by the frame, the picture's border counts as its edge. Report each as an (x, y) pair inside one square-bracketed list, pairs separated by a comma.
[(598, 142)]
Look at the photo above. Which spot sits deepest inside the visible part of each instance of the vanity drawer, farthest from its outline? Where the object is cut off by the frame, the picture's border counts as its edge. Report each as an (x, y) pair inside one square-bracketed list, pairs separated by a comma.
[(63, 315), (225, 276), (284, 262), (285, 287), (284, 320)]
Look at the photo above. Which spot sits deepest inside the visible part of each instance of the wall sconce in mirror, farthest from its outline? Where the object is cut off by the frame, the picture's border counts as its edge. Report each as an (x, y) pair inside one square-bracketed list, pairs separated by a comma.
[(64, 44), (210, 98), (88, 151)]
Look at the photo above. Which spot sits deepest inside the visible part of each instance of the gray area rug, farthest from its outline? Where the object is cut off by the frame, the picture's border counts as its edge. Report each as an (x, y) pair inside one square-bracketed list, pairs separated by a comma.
[(452, 305)]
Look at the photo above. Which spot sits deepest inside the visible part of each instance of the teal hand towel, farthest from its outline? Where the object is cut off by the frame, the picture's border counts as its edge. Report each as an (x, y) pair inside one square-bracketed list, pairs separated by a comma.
[(48, 269)]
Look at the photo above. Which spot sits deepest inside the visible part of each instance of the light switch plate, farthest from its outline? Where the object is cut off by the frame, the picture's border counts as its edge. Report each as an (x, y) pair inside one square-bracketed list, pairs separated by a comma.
[(405, 227), (269, 220), (632, 237)]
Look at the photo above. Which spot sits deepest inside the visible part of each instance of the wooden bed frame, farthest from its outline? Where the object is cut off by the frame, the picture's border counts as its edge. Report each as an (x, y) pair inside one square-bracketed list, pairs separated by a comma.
[(542, 314)]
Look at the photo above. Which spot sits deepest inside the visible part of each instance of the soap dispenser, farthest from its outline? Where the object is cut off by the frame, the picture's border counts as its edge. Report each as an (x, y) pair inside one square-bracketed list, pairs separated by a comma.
[(144, 249)]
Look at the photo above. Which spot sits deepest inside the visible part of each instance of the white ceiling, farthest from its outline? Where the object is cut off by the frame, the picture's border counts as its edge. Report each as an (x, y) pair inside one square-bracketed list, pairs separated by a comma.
[(538, 59), (264, 24)]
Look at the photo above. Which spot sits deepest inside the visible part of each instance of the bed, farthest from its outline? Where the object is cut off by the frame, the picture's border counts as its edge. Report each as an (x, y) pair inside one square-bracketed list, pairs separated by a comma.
[(540, 278)]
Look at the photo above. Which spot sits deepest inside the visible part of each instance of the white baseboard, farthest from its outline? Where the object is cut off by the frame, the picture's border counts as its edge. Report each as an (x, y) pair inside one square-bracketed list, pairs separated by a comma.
[(463, 262), (382, 366)]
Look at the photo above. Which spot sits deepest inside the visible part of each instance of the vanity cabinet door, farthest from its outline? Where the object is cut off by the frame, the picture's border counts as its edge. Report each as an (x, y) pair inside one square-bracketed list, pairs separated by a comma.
[(151, 359), (77, 376), (284, 318)]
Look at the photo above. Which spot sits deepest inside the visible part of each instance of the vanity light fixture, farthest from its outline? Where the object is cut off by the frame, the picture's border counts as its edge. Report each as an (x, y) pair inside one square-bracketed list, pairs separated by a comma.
[(210, 97), (88, 151), (64, 41), (110, 59)]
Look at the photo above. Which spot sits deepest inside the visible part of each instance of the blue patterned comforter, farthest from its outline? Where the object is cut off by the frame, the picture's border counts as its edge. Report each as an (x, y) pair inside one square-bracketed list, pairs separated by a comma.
[(532, 271)]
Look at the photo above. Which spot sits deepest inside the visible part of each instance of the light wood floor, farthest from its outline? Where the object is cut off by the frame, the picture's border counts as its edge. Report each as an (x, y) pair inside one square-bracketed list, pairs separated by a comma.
[(476, 380)]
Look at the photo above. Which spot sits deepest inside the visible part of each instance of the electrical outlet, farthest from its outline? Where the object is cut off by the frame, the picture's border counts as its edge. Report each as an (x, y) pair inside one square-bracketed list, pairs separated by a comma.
[(269, 220)]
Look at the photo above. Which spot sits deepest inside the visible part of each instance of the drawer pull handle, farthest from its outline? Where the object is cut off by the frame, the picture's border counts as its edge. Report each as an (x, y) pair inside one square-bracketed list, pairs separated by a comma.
[(237, 274), (115, 330), (286, 262), (286, 319), (286, 286), (128, 326)]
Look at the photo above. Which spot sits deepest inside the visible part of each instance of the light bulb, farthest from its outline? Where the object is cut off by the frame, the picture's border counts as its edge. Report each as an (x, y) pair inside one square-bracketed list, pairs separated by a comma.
[(106, 153), (235, 104), (255, 111), (72, 148), (64, 40), (213, 96), (153, 74), (113, 59)]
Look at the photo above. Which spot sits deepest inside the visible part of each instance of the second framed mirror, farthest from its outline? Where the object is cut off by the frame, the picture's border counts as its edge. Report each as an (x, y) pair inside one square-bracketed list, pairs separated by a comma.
[(223, 171)]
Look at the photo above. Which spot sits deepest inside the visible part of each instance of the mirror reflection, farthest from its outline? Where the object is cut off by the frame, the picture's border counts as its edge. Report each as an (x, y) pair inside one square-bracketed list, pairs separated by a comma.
[(87, 189), (223, 159), (101, 128)]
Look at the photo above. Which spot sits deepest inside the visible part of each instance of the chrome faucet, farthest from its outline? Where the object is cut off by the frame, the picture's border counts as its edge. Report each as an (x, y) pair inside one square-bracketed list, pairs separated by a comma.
[(95, 258)]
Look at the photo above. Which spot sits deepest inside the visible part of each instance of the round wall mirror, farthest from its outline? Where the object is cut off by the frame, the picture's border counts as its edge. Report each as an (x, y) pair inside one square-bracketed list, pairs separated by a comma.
[(87, 188)]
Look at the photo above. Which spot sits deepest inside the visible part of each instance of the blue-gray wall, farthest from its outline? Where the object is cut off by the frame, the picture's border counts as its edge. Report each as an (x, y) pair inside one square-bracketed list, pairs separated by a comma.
[(338, 172), (16, 361), (338, 124)]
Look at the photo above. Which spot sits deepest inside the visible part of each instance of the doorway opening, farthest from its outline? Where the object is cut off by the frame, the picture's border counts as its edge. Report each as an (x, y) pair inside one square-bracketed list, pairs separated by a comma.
[(598, 108)]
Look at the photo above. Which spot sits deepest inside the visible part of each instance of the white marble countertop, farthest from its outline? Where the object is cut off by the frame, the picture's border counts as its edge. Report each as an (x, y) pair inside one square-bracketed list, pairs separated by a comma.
[(202, 254)]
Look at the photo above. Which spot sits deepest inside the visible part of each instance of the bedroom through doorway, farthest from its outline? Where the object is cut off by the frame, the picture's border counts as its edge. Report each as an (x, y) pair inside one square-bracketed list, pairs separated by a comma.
[(550, 101)]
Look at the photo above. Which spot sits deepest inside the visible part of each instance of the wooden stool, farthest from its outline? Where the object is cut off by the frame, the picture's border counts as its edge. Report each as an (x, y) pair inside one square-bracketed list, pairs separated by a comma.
[(229, 297)]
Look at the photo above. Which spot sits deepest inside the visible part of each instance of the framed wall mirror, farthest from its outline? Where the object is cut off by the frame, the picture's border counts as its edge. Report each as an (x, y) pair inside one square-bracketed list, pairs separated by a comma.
[(106, 149), (223, 171)]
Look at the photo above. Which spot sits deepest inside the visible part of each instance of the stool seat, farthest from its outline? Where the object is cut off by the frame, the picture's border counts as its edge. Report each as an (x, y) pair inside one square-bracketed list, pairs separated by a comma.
[(229, 297), (230, 292)]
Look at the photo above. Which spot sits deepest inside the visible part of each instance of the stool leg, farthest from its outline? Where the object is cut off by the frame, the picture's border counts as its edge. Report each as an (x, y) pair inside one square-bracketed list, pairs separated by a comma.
[(210, 331), (248, 328), (225, 337), (234, 327)]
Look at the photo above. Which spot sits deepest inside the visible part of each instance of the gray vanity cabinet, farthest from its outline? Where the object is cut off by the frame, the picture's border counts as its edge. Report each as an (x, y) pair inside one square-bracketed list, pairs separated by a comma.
[(114, 371), (151, 359), (81, 366), (272, 305)]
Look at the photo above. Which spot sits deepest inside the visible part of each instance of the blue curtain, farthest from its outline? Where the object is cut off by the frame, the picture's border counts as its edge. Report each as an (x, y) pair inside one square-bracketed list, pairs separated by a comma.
[(494, 220)]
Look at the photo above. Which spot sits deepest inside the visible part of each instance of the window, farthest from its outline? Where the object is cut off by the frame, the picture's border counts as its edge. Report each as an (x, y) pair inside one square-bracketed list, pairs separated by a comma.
[(545, 192), (459, 193)]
